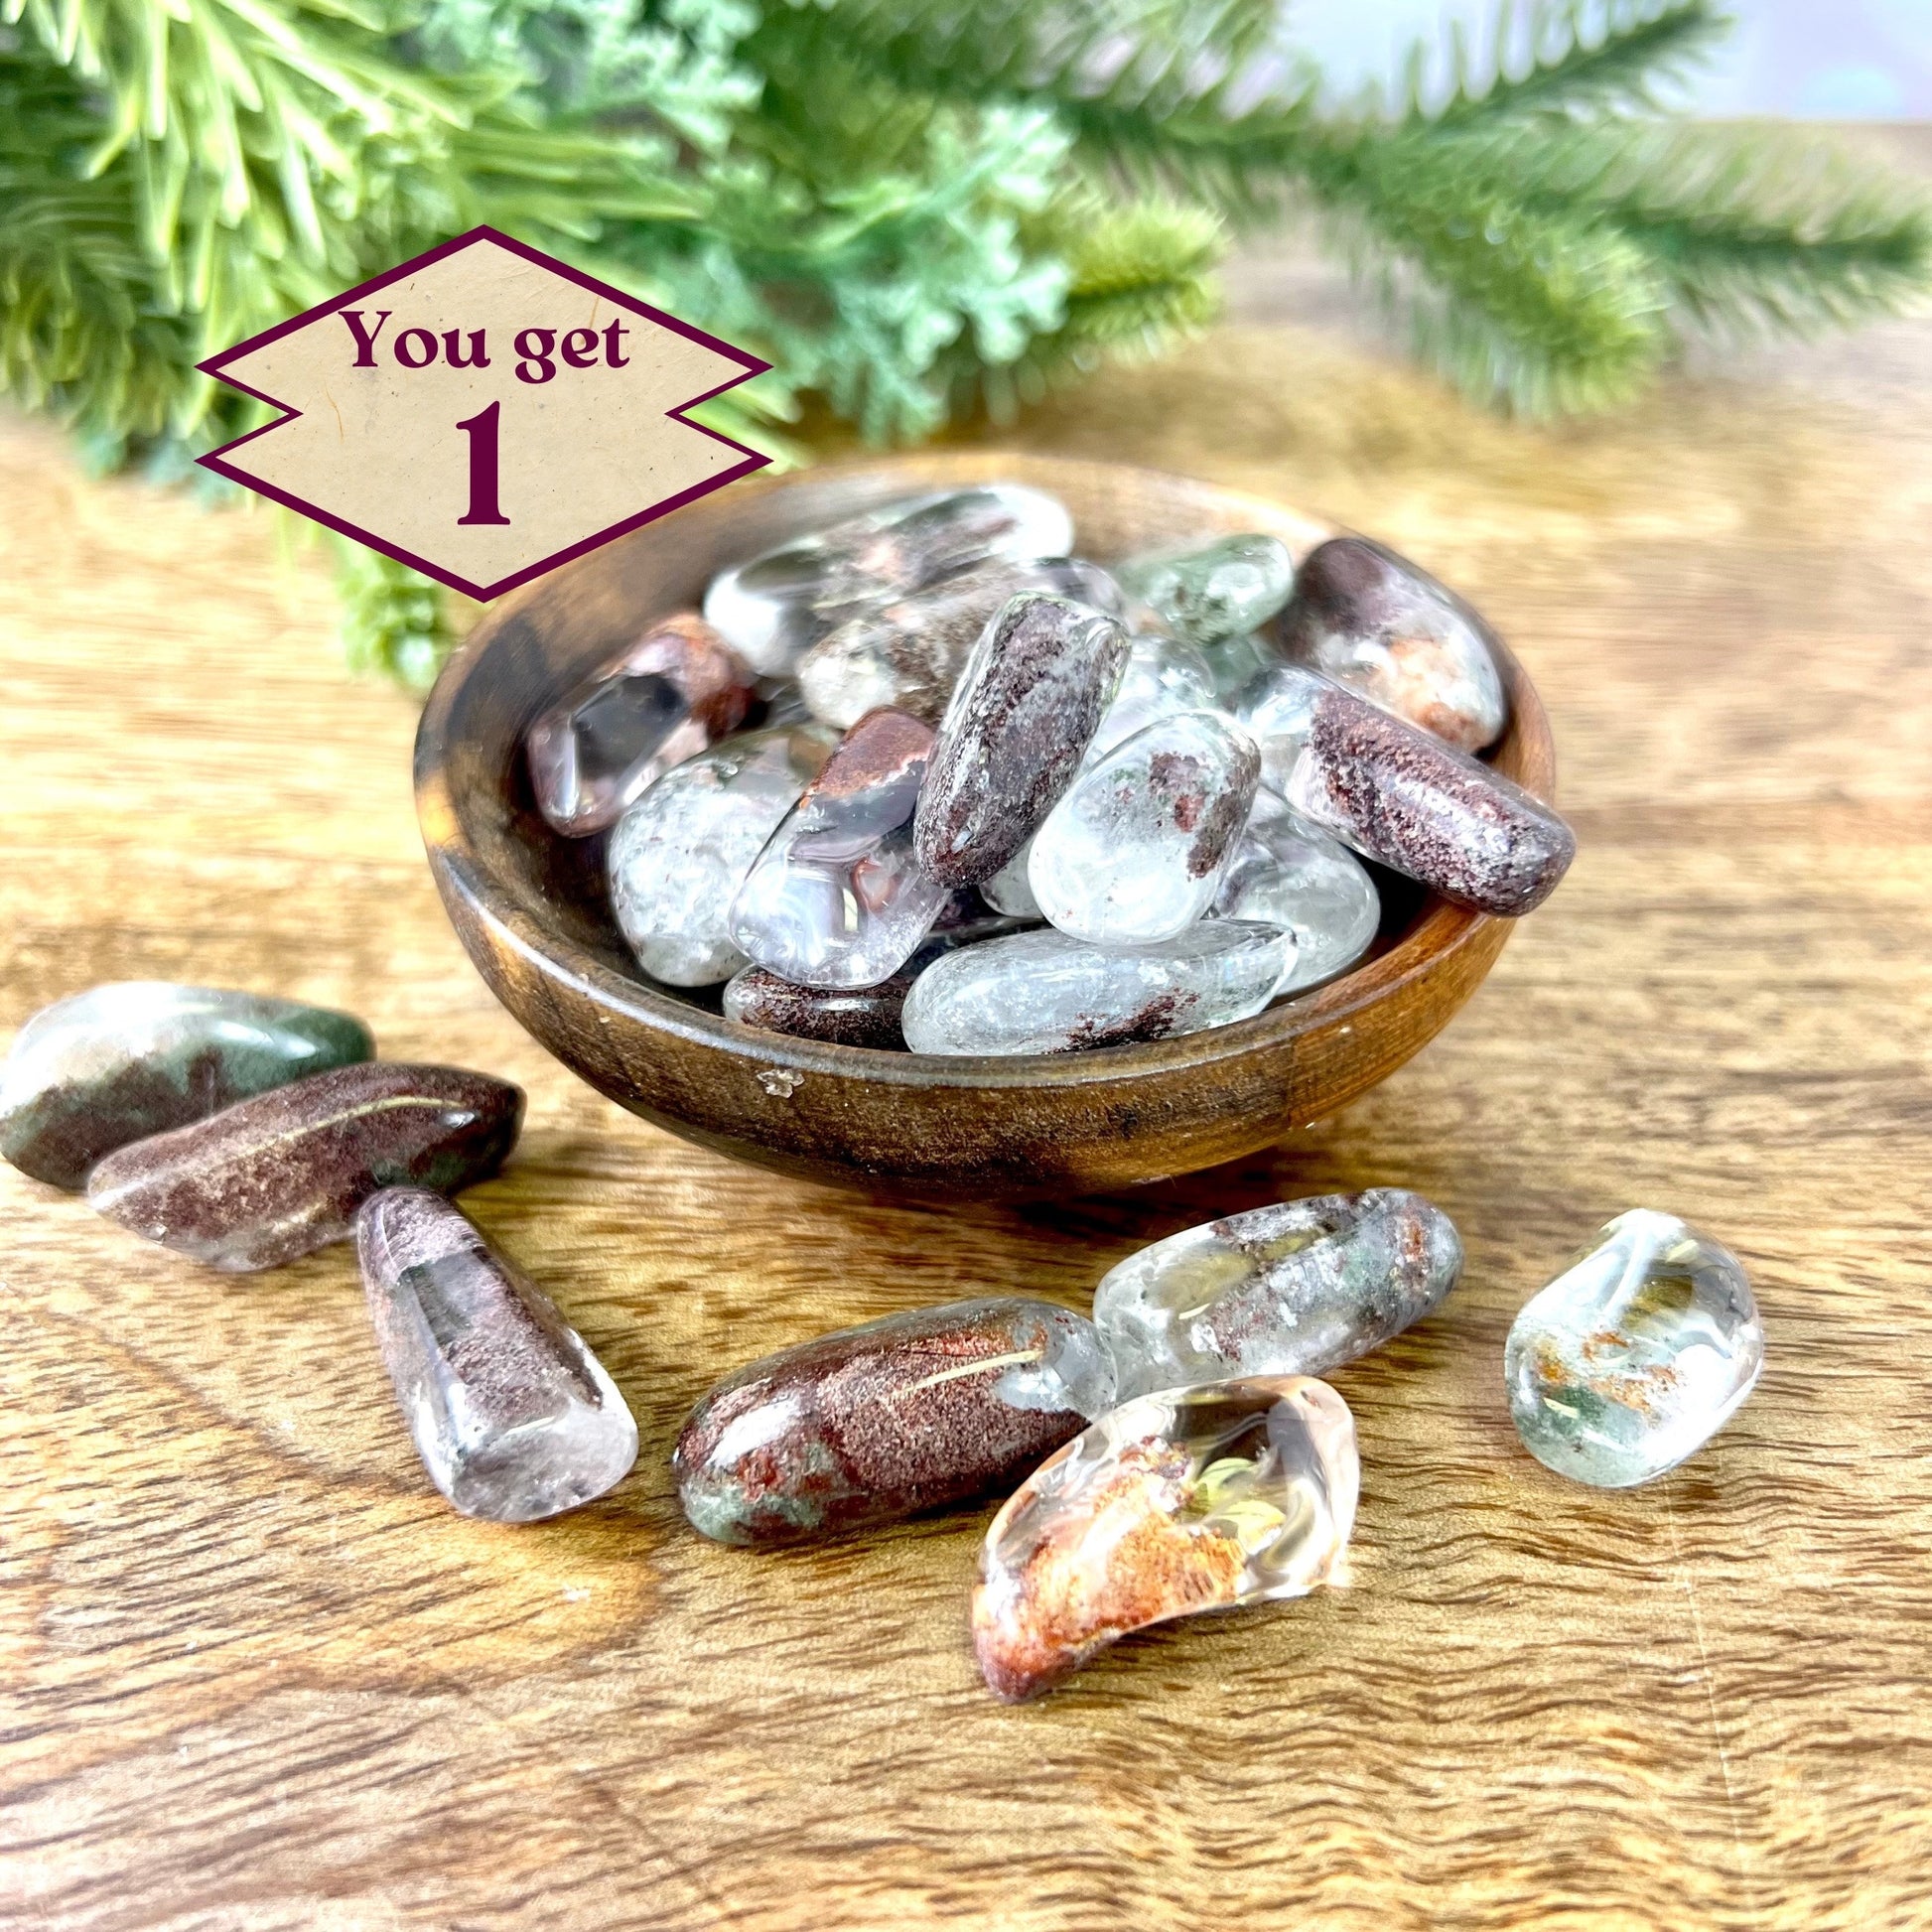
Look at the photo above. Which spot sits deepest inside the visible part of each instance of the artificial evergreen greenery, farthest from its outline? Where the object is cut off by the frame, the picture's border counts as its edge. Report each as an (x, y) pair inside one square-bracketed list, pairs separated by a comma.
[(913, 208)]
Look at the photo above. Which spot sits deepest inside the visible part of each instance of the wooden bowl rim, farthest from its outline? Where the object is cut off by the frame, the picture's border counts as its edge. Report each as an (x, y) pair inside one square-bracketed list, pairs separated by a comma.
[(1527, 753)]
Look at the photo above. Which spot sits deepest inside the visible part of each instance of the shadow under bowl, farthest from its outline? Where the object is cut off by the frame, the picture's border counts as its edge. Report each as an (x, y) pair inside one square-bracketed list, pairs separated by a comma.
[(530, 907)]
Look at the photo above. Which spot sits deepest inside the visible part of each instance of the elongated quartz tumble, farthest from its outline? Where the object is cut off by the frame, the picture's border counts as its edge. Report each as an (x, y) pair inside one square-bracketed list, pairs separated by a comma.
[(1401, 797), (665, 698), (1195, 1500), (888, 1420), (275, 1177), (512, 1414), (1049, 992), (836, 898), (1288, 872), (1296, 1288), (119, 1062), (1018, 724)]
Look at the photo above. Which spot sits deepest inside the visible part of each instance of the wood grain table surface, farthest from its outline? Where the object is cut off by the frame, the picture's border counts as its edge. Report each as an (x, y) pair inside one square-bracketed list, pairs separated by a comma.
[(256, 1675)]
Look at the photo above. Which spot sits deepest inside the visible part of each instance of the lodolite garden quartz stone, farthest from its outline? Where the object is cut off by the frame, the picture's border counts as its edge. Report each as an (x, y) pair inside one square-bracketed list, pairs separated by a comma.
[(1401, 797), (513, 1417), (1286, 872), (886, 1421), (1296, 1289), (1134, 851), (774, 607), (118, 1062), (1372, 620), (679, 854), (278, 1175), (835, 898), (675, 691), (1018, 724), (1046, 992), (1197, 1499), (909, 653), (1215, 592), (1637, 1356)]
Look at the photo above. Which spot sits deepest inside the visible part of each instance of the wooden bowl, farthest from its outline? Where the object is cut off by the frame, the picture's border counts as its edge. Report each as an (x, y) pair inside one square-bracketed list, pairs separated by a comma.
[(530, 906)]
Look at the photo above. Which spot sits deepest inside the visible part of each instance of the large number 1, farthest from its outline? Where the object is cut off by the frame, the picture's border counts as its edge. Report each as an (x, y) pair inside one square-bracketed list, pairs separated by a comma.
[(481, 432)]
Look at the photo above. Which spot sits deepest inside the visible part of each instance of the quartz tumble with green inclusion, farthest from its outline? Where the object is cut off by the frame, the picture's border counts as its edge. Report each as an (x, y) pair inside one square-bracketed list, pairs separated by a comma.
[(1193, 1499), (1636, 1357)]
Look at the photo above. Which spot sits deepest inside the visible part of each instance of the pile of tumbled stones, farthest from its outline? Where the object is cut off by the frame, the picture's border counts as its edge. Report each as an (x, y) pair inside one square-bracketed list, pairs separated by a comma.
[(1171, 1454), (1003, 800)]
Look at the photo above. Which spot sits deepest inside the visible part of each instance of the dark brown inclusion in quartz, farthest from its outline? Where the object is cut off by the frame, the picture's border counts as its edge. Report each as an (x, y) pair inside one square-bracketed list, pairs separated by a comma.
[(275, 1177), (1405, 799), (888, 1420), (1026, 709)]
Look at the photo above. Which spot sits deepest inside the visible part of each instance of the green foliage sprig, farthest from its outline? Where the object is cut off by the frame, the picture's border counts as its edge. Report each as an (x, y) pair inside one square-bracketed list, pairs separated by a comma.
[(913, 208)]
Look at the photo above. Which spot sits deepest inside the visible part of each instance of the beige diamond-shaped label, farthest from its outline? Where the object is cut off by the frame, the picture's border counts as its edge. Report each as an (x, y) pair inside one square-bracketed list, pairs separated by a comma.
[(484, 412)]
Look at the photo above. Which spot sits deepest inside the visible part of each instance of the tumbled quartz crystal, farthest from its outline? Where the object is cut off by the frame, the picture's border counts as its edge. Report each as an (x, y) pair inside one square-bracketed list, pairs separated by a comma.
[(1373, 621), (835, 897), (1399, 796), (1046, 992), (1286, 872), (1134, 851), (1637, 1356), (513, 1417), (1195, 1500), (675, 691), (679, 854), (909, 653), (275, 1177), (771, 608), (888, 1420), (1015, 732), (1296, 1289), (118, 1062), (1215, 592), (1163, 677)]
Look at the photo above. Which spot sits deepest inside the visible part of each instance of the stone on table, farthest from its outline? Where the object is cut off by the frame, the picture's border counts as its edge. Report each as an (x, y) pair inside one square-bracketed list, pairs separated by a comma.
[(119, 1062), (909, 653), (1046, 992), (1286, 872), (1296, 1288), (1134, 851), (674, 692), (1374, 621), (1209, 592), (860, 1016), (889, 1420), (679, 854), (1163, 677), (1197, 1499), (772, 607), (836, 898), (276, 1177), (1401, 797), (1637, 1356), (512, 1414), (1017, 724)]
